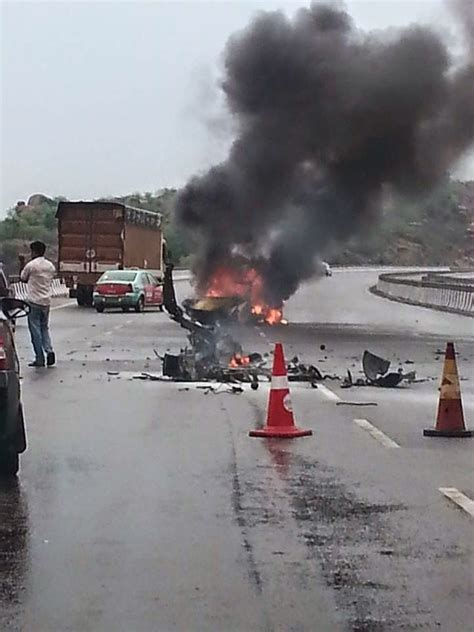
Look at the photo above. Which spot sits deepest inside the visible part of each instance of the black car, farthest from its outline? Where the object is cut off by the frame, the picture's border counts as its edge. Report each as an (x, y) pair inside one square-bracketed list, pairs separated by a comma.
[(4, 287), (12, 425)]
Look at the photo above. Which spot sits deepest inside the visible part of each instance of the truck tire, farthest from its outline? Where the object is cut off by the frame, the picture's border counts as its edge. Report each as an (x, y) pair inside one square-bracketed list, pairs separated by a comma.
[(84, 296), (9, 460), (89, 297), (140, 306), (99, 309), (81, 296)]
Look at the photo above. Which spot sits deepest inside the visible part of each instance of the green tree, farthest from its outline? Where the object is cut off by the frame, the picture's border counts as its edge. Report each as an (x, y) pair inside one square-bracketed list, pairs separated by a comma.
[(24, 224)]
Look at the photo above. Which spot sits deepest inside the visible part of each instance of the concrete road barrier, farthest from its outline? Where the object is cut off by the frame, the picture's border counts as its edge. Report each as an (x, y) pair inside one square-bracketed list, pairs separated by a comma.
[(449, 293)]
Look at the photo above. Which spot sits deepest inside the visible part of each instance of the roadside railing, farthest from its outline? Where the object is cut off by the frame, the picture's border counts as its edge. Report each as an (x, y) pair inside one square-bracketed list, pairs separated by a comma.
[(449, 294), (20, 290)]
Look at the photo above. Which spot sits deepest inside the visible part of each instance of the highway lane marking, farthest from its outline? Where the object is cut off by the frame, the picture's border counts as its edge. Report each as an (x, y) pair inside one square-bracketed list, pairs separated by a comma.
[(111, 331), (328, 393), (459, 498), (263, 335), (377, 434), (52, 309), (116, 328)]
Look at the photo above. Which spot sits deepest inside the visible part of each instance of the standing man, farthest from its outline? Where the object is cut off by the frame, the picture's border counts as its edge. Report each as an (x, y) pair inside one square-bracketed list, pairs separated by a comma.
[(39, 274)]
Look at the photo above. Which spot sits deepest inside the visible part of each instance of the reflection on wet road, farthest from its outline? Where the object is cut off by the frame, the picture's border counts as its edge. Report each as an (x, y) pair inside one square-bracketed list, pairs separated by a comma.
[(14, 551)]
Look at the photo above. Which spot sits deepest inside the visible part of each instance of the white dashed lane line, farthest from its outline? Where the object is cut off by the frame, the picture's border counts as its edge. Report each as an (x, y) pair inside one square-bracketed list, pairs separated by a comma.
[(117, 327), (53, 309), (328, 394), (460, 499), (377, 434)]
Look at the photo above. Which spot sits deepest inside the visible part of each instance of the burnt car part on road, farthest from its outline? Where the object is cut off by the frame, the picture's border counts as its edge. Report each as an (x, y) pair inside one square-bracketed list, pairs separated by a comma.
[(213, 353), (376, 371), (211, 349)]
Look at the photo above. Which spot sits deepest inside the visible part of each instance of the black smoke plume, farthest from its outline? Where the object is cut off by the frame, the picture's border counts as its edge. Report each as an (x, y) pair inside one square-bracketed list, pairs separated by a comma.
[(328, 119)]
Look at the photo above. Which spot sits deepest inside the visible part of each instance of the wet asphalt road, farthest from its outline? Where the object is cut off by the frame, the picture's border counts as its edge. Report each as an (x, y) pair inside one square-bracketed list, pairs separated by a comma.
[(144, 506)]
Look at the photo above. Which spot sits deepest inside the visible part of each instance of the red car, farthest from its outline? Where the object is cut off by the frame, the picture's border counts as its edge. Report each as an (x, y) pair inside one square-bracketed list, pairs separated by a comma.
[(127, 289)]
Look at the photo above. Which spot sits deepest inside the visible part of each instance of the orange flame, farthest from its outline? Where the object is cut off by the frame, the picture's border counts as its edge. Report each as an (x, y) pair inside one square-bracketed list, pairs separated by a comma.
[(247, 284), (230, 282), (238, 360), (271, 315), (274, 316)]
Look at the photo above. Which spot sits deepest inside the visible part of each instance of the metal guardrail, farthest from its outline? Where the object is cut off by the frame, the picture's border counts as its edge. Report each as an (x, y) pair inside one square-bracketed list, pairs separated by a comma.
[(459, 278), (446, 295), (58, 289)]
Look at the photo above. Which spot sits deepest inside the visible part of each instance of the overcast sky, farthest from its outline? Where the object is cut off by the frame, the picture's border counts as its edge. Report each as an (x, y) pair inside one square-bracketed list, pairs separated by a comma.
[(104, 98)]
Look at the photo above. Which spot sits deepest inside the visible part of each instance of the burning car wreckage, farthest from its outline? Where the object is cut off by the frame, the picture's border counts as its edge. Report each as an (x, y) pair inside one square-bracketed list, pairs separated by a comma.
[(214, 355)]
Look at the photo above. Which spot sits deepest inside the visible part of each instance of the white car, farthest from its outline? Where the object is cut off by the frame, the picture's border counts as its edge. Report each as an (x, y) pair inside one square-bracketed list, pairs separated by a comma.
[(327, 269)]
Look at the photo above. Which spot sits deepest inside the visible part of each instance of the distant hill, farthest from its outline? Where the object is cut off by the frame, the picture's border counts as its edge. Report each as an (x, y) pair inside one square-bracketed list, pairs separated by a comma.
[(438, 230)]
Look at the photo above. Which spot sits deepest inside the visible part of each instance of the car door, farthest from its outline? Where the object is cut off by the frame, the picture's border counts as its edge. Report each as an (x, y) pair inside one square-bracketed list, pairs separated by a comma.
[(148, 288), (157, 290)]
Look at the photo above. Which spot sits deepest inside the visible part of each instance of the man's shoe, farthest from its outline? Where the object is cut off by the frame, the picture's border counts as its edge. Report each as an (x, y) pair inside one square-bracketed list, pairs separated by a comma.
[(51, 358), (36, 364)]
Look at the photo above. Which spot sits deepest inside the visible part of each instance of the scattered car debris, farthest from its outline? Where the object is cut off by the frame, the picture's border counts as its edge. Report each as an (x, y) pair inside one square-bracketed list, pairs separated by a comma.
[(374, 366), (220, 390), (213, 355), (344, 403), (299, 372), (376, 371), (152, 377)]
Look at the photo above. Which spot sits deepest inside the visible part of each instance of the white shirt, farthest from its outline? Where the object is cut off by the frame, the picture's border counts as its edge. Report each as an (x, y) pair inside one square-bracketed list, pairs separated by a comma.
[(39, 274)]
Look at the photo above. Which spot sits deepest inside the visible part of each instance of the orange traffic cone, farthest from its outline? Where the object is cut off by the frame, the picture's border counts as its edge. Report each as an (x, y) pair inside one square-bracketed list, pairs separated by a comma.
[(280, 420), (450, 417)]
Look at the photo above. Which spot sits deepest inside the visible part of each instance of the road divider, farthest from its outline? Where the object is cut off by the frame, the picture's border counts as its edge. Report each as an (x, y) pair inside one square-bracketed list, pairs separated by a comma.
[(328, 394), (375, 433), (422, 288)]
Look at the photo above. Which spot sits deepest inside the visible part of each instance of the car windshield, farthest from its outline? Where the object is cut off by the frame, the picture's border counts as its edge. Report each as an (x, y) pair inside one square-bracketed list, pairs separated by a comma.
[(118, 275)]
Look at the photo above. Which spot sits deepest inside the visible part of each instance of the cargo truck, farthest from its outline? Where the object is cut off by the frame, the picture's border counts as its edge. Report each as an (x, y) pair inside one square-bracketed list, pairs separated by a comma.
[(105, 235)]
